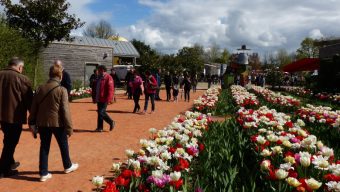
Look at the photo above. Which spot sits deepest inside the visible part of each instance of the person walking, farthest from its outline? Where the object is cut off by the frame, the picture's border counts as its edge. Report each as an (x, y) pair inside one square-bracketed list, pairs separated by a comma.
[(66, 79), (159, 83), (194, 83), (15, 99), (129, 79), (103, 94), (186, 84), (50, 115), (150, 91), (137, 90), (175, 87), (93, 78), (168, 82)]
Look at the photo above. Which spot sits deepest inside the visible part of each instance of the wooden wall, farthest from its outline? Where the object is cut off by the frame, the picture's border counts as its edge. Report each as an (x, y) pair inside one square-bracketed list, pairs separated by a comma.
[(75, 57)]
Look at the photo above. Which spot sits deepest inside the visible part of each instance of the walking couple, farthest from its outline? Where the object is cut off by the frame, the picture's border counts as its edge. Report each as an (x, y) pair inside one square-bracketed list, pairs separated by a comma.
[(49, 115), (148, 87)]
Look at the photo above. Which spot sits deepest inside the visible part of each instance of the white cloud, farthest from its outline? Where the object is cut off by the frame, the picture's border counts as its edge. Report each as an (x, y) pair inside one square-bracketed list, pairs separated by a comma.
[(315, 34), (264, 25)]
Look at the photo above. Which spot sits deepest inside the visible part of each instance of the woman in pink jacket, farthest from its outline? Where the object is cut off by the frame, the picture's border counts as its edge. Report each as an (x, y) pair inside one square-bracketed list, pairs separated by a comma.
[(137, 90), (150, 91)]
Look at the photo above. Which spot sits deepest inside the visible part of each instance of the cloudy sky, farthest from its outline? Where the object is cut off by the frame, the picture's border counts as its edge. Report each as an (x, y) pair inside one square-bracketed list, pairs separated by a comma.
[(263, 25)]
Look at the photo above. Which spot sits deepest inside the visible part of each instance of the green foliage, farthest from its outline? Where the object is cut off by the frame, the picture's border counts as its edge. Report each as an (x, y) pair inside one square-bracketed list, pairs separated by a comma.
[(170, 63), (226, 163), (191, 59), (225, 104), (307, 49), (41, 21), (274, 77), (13, 44), (77, 84), (148, 57)]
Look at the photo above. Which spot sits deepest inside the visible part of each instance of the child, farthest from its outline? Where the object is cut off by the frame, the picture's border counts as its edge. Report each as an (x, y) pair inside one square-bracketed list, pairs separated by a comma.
[(175, 88)]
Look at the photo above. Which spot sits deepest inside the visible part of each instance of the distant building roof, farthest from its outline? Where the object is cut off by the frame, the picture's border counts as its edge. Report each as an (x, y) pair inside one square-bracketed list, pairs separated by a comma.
[(120, 48)]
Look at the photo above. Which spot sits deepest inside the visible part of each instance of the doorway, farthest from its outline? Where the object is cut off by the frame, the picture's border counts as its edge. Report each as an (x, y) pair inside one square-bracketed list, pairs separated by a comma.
[(89, 68)]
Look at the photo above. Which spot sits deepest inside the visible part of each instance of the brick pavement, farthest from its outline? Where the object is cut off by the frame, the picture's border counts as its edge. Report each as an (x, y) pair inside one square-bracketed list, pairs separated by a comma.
[(95, 152)]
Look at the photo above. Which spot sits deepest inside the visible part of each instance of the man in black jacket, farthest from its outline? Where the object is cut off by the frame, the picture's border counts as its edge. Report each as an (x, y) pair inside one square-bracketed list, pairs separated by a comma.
[(168, 83)]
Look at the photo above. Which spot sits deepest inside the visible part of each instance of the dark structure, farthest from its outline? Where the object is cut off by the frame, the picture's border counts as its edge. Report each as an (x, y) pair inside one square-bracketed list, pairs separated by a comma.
[(329, 73), (82, 55)]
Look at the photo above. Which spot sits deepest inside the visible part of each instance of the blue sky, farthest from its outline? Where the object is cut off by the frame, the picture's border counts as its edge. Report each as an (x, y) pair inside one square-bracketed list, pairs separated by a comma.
[(124, 12)]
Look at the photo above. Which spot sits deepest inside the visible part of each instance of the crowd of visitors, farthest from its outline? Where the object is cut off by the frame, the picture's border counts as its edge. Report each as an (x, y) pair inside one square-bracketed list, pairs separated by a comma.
[(49, 112)]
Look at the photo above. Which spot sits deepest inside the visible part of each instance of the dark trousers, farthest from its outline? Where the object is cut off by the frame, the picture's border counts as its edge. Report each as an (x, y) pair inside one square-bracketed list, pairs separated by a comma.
[(12, 132), (150, 96), (186, 94), (102, 115), (168, 93), (45, 143), (157, 94), (136, 98), (194, 88), (129, 92)]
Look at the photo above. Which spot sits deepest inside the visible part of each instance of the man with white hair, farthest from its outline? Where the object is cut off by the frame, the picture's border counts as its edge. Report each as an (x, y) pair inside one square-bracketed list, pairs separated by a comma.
[(15, 100), (66, 81)]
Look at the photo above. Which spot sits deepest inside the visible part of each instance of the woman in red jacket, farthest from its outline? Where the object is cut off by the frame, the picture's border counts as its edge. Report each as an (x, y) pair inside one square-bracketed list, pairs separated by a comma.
[(150, 91)]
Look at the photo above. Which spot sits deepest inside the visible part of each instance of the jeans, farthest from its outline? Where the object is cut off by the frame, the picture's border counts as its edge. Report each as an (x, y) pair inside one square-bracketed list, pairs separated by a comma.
[(152, 98), (194, 88), (102, 116), (45, 142), (12, 132), (168, 93), (186, 94), (136, 97)]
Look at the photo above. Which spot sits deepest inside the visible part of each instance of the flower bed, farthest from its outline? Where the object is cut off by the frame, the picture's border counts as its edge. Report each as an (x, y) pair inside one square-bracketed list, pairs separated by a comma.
[(243, 98), (206, 103), (307, 93), (164, 161), (320, 114), (276, 98), (82, 92), (290, 157)]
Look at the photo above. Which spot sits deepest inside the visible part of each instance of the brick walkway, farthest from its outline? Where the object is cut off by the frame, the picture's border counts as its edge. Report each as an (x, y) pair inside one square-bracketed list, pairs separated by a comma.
[(95, 152)]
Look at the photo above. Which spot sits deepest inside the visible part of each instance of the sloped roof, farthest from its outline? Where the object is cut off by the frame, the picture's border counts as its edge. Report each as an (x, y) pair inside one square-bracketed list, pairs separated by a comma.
[(306, 64), (120, 48)]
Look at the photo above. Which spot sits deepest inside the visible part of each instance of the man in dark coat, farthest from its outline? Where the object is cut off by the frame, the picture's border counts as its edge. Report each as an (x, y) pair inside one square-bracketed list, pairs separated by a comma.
[(15, 99), (168, 82)]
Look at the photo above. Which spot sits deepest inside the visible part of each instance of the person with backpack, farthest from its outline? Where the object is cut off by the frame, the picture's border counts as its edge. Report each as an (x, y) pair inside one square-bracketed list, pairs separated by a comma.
[(50, 115), (150, 91)]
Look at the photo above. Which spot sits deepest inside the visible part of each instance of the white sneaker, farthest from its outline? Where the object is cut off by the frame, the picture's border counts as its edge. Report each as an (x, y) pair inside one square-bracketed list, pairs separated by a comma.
[(73, 167), (46, 177)]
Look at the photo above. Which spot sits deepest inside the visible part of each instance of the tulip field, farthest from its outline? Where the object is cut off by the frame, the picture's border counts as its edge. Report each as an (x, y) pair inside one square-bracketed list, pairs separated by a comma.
[(269, 141)]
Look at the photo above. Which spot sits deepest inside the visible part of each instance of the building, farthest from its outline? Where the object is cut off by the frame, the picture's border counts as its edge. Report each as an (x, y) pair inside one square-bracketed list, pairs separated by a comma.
[(83, 54)]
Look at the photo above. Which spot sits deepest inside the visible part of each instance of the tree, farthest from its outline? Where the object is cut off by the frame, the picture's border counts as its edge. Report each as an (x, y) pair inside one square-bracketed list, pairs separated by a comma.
[(213, 54), (283, 58), (13, 44), (148, 57), (102, 29), (41, 22), (170, 63), (191, 59), (307, 49)]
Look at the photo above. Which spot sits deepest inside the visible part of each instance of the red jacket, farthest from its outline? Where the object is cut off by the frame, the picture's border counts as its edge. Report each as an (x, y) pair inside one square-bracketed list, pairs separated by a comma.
[(106, 89), (151, 82)]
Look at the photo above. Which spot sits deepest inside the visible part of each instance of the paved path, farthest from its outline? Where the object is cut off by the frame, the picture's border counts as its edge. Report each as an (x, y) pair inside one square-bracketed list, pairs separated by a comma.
[(95, 152)]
